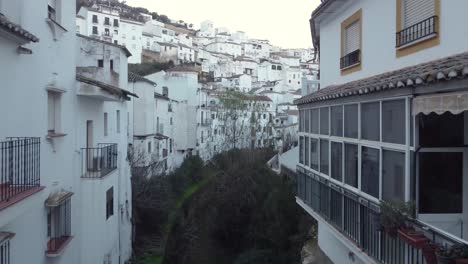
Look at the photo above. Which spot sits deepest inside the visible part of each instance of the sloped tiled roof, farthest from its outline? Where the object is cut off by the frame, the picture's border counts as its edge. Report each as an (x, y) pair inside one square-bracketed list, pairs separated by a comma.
[(133, 77), (16, 29), (261, 98), (445, 69), (106, 87)]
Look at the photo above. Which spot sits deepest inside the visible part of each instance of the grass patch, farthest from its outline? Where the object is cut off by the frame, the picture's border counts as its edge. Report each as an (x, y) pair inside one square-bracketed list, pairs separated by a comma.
[(152, 259)]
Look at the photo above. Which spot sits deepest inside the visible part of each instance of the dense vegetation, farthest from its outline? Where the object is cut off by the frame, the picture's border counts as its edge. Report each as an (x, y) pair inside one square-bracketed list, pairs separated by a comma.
[(144, 69), (233, 210)]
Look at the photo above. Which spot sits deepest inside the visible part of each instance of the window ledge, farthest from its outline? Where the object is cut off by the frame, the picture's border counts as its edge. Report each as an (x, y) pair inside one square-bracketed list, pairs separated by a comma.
[(57, 252), (419, 41), (55, 89), (52, 135), (350, 66), (57, 29)]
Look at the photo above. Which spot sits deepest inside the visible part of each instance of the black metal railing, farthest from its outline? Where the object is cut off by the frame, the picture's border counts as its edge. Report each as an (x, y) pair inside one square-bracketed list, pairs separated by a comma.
[(359, 220), (59, 227), (416, 32), (19, 166), (100, 161), (350, 59)]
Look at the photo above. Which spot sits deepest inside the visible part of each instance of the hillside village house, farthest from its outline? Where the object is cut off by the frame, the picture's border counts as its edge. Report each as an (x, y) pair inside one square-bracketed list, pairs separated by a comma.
[(389, 123), (65, 197)]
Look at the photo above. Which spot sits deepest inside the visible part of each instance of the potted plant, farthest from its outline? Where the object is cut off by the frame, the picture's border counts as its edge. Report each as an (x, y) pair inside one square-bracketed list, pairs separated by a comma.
[(393, 215), (457, 254)]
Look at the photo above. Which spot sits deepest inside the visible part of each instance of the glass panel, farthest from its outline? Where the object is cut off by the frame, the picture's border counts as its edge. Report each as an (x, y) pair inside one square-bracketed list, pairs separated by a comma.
[(306, 151), (440, 183), (324, 120), (393, 175), (314, 119), (370, 171), (337, 161), (351, 165), (301, 149), (337, 121), (351, 121), (314, 155), (307, 121), (393, 121), (324, 160), (370, 121)]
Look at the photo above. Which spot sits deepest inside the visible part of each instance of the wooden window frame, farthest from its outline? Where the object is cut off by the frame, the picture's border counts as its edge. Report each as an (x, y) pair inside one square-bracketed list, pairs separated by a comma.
[(357, 16), (422, 44)]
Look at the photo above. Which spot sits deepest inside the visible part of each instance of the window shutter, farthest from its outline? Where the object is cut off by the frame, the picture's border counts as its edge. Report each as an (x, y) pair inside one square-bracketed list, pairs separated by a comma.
[(352, 38), (415, 11)]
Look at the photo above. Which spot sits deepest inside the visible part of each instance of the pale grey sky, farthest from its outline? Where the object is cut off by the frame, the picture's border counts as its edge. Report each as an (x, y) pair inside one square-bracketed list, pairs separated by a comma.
[(284, 23)]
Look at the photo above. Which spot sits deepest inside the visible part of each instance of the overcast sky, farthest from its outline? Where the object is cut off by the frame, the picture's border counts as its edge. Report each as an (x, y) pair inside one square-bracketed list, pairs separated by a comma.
[(284, 22)]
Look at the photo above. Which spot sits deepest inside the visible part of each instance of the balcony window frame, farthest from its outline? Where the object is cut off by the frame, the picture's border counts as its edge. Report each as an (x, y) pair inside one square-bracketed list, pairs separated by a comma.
[(420, 44), (59, 226), (356, 17), (359, 142)]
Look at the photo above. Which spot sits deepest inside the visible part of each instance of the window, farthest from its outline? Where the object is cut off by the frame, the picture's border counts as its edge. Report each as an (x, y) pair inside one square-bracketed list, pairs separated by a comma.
[(370, 182), (394, 121), (351, 165), (118, 120), (116, 22), (324, 159), (170, 145), (393, 175), (351, 35), (54, 112), (306, 151), (5, 247), (165, 91), (301, 150), (170, 121), (337, 161), (337, 121), (314, 121), (100, 63), (324, 120), (106, 132), (351, 121), (106, 32), (273, 67), (95, 31), (417, 22), (370, 121), (106, 21), (58, 221), (110, 202), (314, 154), (445, 130), (279, 68), (441, 187), (202, 136), (51, 8), (95, 19)]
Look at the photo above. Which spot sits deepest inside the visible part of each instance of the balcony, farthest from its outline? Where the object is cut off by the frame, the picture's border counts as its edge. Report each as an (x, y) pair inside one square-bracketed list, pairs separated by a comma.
[(351, 59), (358, 220), (420, 31), (100, 161), (19, 169)]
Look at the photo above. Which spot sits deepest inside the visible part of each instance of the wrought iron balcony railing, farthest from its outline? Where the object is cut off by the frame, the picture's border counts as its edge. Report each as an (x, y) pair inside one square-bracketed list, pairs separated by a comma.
[(19, 166), (359, 220), (350, 59), (416, 32), (100, 161)]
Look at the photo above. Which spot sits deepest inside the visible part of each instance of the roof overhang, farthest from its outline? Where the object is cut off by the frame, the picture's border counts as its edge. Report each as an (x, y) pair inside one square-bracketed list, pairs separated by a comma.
[(99, 90), (15, 32)]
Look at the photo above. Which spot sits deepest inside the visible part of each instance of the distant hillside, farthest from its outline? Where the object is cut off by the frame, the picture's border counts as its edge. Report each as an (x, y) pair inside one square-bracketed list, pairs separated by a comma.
[(130, 12)]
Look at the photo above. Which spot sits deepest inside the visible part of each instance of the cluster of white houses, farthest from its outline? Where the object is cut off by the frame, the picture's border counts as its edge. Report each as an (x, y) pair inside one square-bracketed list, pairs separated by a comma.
[(389, 123), (75, 121), (224, 60)]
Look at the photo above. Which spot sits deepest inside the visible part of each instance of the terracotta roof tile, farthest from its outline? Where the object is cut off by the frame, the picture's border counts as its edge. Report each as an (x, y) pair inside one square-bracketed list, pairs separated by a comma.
[(16, 29), (452, 67)]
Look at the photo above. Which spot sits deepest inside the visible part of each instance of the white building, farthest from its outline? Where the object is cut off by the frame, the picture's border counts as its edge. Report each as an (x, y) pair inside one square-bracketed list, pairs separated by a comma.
[(99, 21), (59, 215), (131, 36), (385, 125), (230, 48)]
